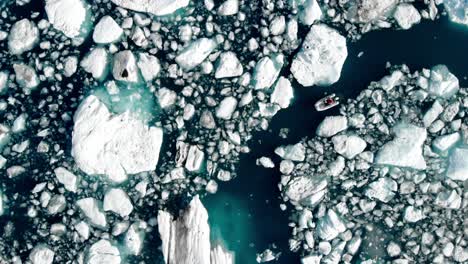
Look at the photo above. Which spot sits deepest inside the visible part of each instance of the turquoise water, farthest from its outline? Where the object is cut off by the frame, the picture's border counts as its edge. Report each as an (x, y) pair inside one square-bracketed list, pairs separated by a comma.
[(245, 212)]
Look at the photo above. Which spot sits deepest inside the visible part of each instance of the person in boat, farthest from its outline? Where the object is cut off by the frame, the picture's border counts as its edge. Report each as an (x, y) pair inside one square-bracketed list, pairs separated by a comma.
[(329, 101)]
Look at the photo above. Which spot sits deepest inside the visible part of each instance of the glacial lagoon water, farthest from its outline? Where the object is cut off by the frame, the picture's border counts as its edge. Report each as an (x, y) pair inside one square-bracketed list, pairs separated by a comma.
[(245, 212)]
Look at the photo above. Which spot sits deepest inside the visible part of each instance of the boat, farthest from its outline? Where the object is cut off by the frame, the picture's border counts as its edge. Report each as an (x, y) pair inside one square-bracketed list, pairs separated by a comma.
[(327, 102)]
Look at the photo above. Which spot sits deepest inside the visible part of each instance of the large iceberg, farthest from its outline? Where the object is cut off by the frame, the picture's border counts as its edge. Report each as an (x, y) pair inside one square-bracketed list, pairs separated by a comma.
[(186, 239), (66, 16), (113, 145), (107, 31), (155, 7), (23, 36), (321, 57), (405, 150)]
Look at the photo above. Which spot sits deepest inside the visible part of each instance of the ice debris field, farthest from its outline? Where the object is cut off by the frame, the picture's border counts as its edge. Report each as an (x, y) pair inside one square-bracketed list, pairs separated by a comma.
[(118, 116)]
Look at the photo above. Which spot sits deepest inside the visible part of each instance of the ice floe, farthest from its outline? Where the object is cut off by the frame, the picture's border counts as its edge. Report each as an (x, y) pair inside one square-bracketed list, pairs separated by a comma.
[(155, 7), (107, 31), (67, 16), (24, 35)]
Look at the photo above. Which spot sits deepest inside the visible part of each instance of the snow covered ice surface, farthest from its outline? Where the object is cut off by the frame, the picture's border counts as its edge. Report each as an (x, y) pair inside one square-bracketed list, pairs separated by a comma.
[(119, 117)]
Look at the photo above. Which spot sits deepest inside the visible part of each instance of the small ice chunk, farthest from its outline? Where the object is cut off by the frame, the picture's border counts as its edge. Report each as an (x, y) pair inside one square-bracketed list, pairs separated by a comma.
[(3, 82), (70, 65), (66, 16), (113, 145), (68, 179), (458, 165), (149, 66), (321, 57), (124, 67), (107, 31), (282, 93), (23, 36), (195, 158), (166, 97), (309, 12), (267, 71), (348, 145), (195, 53), (444, 143), (449, 200), (383, 189), (155, 7), (330, 226), (134, 238), (229, 8), (228, 66), (3, 161), (299, 189), (83, 229), (92, 211), (442, 82), (15, 171), (390, 81), (19, 125), (103, 252), (117, 201), (95, 62), (41, 254), (412, 214), (291, 152), (226, 108), (431, 115), (278, 25), (406, 15), (331, 126), (265, 162), (25, 76), (405, 150)]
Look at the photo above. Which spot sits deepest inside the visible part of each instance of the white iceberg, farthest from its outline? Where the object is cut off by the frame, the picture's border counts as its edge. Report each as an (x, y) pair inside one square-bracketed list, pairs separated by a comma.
[(228, 66), (300, 188), (229, 8), (348, 145), (383, 189), (457, 10), (195, 158), (226, 108), (291, 152), (458, 165), (321, 57), (103, 252), (449, 200), (442, 82), (117, 201), (195, 53), (444, 143), (282, 93), (67, 16), (91, 209), (95, 62), (113, 145), (155, 7), (405, 150), (68, 179), (26, 76), (125, 67), (330, 225), (23, 36), (107, 31), (331, 126), (149, 66), (406, 15), (266, 71), (41, 254)]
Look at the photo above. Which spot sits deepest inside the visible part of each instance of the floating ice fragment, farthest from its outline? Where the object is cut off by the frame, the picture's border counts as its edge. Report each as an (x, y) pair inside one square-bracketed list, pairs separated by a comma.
[(23, 36), (134, 237), (117, 201), (114, 145), (195, 53), (229, 8), (149, 66), (458, 165), (228, 66), (331, 126), (26, 76), (107, 31), (70, 65), (103, 252), (291, 152), (66, 16), (282, 93), (299, 189), (390, 81), (220, 255), (449, 200), (266, 71), (92, 211), (372, 10), (124, 67), (432, 113), (309, 11), (321, 57), (457, 10), (195, 158), (3, 82), (155, 7), (226, 108), (442, 82), (41, 254), (348, 145), (383, 189), (277, 26), (412, 214), (330, 226), (405, 150), (95, 62), (444, 143), (68, 179), (406, 15)]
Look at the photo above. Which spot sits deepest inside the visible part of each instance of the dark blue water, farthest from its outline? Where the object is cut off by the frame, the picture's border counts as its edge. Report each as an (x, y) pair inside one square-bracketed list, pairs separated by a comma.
[(245, 212)]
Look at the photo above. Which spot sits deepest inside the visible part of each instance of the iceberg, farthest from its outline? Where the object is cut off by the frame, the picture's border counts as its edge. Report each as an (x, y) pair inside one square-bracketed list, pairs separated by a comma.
[(405, 150), (155, 7), (68, 179), (91, 209), (149, 66), (449, 200), (348, 145), (226, 108), (457, 10), (266, 71), (458, 164), (107, 31), (95, 62), (406, 15), (41, 254), (282, 93), (383, 189), (442, 82), (26, 76), (195, 53), (125, 67), (373, 10), (186, 239), (117, 201), (113, 144), (23, 36), (321, 57), (301, 188), (103, 252), (291, 152), (66, 16), (331, 126), (330, 226), (228, 66)]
